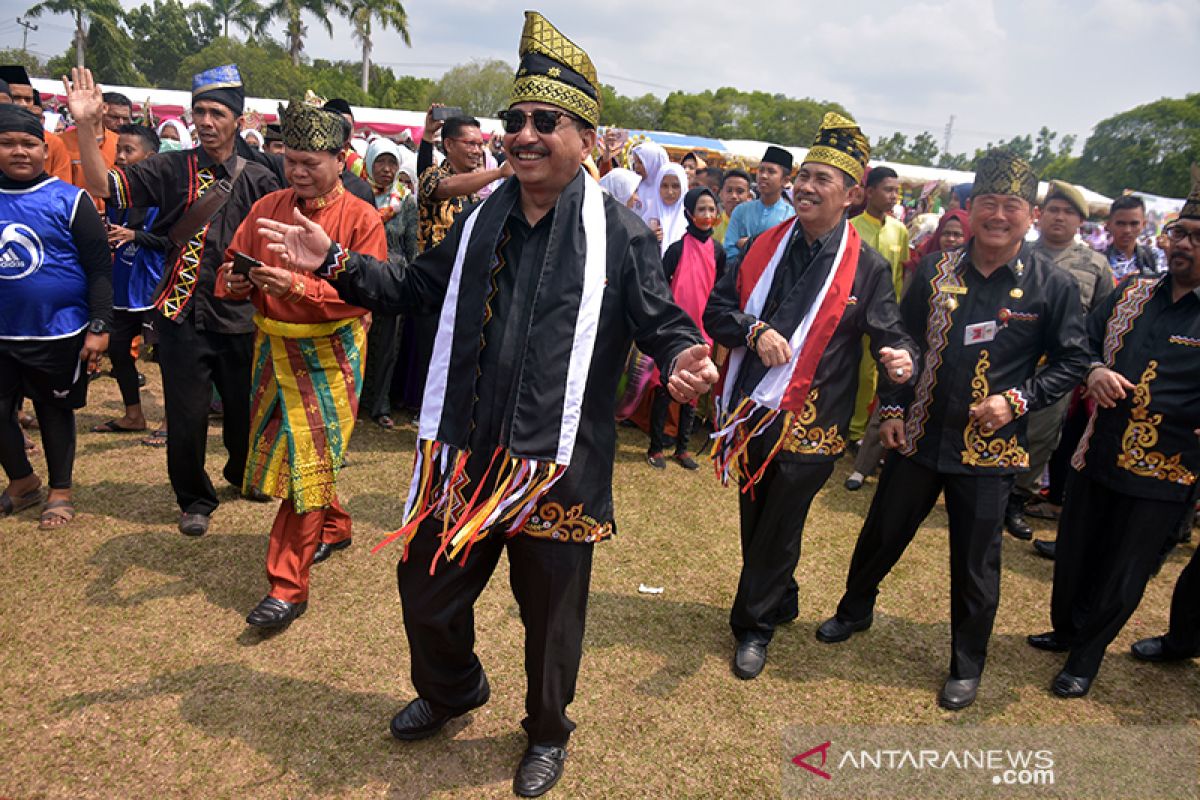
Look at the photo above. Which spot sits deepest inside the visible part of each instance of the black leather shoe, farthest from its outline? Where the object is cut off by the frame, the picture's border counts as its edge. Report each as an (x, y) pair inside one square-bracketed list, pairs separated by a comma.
[(958, 693), (274, 613), (1045, 549), (1156, 650), (1014, 519), (325, 550), (749, 660), (835, 629), (539, 770), (1070, 686), (419, 720), (1048, 641), (193, 524), (255, 496)]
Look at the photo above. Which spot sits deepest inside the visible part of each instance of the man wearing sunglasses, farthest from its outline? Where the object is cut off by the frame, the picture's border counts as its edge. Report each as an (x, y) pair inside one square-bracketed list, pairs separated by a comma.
[(541, 288), (1135, 470)]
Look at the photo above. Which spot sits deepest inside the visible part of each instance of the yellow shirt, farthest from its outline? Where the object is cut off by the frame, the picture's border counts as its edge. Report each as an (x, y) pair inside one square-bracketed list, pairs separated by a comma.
[(889, 238)]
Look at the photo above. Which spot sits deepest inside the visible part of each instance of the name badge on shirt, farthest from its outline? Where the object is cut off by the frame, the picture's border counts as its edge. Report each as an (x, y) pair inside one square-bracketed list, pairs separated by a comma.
[(953, 289), (980, 333)]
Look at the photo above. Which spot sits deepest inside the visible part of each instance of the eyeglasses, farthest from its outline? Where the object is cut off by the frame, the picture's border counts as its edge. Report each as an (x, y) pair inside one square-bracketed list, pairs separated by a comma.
[(1177, 233), (544, 120), (470, 144)]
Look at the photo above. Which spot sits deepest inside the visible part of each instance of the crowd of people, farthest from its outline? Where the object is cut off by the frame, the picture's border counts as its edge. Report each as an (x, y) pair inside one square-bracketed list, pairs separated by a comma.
[(305, 276)]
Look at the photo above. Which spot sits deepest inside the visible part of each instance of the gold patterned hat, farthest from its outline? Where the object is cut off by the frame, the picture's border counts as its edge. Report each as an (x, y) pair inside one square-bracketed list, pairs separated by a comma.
[(1191, 206), (555, 70), (1002, 171), (840, 143), (306, 127)]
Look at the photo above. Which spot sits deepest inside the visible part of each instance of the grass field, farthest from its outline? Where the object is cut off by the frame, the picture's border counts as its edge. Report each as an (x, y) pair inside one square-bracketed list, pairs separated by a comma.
[(128, 671)]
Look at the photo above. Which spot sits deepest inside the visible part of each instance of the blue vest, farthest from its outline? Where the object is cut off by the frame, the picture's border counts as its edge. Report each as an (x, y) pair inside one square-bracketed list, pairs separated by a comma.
[(43, 288), (136, 269)]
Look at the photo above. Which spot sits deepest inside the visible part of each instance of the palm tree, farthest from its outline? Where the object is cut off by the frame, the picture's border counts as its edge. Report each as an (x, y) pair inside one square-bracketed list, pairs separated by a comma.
[(289, 12), (390, 14), (242, 13), (92, 12)]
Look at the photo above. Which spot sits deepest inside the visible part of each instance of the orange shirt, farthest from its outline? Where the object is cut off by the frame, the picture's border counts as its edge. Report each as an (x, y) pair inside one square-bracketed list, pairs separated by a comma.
[(350, 222), (108, 149), (58, 161)]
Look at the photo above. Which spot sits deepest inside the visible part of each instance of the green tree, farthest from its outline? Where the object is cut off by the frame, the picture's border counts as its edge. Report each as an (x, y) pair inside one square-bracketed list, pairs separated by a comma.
[(389, 14), (242, 14), (729, 113), (893, 148), (480, 88), (86, 14), (163, 36), (34, 65), (404, 91), (640, 113), (1148, 148), (290, 13)]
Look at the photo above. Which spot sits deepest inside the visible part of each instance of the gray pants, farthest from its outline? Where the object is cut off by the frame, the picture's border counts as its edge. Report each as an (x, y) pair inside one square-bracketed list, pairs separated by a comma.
[(867, 460), (1045, 429)]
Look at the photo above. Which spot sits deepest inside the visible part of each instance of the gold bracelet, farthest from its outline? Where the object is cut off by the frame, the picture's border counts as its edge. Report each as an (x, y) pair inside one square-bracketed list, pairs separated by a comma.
[(297, 292)]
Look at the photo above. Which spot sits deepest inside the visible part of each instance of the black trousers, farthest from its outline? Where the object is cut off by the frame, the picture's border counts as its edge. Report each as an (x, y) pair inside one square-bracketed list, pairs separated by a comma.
[(191, 362), (773, 514), (975, 505), (1108, 548), (52, 376), (127, 326), (550, 583), (383, 347), (658, 422), (1059, 467), (1184, 633)]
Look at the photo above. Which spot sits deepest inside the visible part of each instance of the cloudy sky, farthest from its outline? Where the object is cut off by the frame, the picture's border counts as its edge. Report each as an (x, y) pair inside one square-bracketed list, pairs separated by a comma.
[(1000, 67)]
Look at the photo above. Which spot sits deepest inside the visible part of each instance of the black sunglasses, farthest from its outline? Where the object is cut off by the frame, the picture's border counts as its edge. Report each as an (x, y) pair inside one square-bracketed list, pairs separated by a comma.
[(544, 120)]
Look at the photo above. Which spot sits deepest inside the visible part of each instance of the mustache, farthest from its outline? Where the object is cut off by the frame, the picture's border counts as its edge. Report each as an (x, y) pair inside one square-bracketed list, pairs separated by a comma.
[(812, 198), (533, 149)]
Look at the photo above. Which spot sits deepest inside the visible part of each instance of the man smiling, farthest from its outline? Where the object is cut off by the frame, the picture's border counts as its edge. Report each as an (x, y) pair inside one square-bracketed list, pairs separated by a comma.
[(983, 318), (541, 288)]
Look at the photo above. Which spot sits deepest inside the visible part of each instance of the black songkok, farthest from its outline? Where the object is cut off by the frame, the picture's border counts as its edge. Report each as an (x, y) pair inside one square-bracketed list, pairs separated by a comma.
[(338, 106), (15, 119), (777, 155)]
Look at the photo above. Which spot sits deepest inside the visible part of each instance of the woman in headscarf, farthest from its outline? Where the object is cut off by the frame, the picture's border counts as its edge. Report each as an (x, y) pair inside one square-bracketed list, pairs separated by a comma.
[(691, 265), (649, 160), (398, 210), (253, 138), (623, 184), (174, 129), (672, 219)]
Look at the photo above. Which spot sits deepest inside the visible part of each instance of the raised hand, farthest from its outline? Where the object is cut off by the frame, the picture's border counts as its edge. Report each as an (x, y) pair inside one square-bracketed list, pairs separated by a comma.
[(85, 98), (303, 246)]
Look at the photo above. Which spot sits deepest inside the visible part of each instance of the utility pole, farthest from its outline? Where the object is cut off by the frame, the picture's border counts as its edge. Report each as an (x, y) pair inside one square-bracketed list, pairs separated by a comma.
[(946, 140), (28, 26)]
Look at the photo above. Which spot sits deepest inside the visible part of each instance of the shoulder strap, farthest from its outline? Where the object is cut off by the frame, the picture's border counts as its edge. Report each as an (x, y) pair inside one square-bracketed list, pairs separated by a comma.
[(204, 209)]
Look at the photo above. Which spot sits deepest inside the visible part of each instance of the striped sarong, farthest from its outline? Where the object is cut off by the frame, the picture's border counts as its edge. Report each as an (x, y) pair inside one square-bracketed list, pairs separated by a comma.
[(307, 380)]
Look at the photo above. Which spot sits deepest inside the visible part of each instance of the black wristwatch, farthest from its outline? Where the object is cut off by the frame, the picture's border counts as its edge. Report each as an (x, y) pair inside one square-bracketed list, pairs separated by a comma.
[(98, 327)]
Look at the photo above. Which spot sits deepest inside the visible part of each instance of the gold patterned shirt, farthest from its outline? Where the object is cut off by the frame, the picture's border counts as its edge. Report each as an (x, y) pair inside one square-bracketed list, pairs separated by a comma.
[(981, 336), (1146, 445), (436, 216)]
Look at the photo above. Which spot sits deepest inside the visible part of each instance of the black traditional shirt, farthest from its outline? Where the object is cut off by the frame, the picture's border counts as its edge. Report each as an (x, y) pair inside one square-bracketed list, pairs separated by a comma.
[(818, 432), (980, 337), (173, 182), (636, 306), (1146, 445)]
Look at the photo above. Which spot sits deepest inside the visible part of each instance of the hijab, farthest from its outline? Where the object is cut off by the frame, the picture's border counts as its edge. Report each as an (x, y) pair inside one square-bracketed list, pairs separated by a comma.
[(934, 243), (653, 159), (671, 217), (689, 210), (621, 184), (185, 138)]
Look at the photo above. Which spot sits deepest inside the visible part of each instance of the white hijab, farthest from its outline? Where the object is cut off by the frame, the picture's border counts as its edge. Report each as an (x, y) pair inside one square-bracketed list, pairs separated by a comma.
[(621, 184), (377, 148), (653, 159), (185, 138), (671, 217)]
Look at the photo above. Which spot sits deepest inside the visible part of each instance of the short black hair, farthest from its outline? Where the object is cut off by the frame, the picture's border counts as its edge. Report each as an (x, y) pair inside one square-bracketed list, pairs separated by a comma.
[(716, 173), (37, 98), (117, 99), (147, 135), (878, 175), (454, 126), (849, 181), (737, 173), (347, 132), (1127, 201)]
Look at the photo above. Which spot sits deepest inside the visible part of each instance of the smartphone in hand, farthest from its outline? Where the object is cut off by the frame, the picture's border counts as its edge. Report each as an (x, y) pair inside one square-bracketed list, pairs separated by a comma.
[(242, 264), (443, 113)]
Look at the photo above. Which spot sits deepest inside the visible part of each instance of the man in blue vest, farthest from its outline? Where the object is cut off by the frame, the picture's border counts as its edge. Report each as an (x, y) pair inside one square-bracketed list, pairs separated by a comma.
[(55, 310)]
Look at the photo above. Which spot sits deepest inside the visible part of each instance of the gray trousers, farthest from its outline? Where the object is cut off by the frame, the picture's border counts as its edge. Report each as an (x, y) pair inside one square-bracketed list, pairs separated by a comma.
[(1045, 429)]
